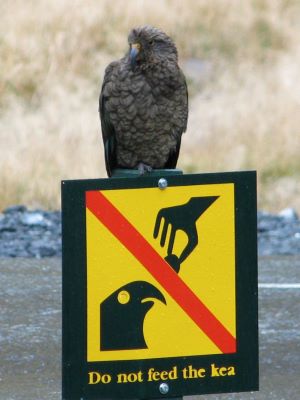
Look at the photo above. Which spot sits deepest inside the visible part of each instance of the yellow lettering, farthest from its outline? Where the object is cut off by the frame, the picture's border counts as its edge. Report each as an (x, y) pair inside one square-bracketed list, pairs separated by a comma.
[(162, 375), (173, 373), (156, 376), (94, 378), (140, 376), (221, 371), (231, 371), (150, 372), (192, 373), (131, 377), (214, 371), (201, 372), (122, 378)]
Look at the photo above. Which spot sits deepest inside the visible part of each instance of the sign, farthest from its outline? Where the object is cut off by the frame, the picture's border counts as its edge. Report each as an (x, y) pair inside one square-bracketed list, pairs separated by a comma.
[(159, 286)]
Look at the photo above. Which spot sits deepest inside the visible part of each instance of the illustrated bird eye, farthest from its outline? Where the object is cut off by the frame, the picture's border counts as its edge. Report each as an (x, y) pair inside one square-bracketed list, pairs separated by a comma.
[(123, 297)]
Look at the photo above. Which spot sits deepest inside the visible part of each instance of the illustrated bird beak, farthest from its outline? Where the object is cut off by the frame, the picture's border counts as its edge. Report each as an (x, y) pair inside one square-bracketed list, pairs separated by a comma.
[(134, 51), (150, 292)]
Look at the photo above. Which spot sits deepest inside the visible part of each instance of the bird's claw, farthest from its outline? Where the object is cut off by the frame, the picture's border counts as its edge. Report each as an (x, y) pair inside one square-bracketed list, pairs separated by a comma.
[(143, 168)]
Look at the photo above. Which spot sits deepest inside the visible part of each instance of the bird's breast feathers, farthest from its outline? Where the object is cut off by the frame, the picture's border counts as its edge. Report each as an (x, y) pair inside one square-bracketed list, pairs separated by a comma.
[(131, 93)]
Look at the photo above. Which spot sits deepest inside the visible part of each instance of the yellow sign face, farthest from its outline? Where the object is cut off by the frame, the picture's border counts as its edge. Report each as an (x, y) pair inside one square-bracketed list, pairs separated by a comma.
[(116, 277)]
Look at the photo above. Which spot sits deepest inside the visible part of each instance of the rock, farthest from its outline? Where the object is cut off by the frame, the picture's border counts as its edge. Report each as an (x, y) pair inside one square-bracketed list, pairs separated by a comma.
[(289, 214), (34, 218), (14, 209), (25, 233), (278, 234)]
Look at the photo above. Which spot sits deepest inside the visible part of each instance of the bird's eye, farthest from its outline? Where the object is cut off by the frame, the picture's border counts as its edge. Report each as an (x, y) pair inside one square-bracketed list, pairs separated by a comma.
[(123, 297), (151, 42)]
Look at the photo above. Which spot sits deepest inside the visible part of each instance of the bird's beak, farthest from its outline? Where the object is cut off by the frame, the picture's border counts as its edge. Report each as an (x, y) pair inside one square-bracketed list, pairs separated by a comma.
[(134, 51), (150, 292)]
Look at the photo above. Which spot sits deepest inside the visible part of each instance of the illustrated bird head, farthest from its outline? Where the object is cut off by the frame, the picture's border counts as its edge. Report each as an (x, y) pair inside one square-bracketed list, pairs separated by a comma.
[(149, 45), (122, 316)]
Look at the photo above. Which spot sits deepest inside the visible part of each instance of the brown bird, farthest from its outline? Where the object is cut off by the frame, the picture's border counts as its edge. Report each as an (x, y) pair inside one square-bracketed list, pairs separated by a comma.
[(143, 104)]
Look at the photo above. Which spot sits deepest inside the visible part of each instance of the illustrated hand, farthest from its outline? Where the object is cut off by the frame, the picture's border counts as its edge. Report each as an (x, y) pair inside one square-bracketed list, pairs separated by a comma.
[(184, 218)]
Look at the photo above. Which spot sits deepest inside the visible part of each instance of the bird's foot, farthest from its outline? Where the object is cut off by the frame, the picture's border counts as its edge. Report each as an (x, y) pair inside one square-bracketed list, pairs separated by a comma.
[(143, 168)]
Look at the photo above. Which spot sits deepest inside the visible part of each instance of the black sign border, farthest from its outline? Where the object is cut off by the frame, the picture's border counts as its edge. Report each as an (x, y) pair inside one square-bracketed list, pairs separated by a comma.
[(75, 368)]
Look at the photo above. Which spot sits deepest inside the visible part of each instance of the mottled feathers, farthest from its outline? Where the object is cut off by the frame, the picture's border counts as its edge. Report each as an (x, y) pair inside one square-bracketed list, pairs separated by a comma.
[(144, 104)]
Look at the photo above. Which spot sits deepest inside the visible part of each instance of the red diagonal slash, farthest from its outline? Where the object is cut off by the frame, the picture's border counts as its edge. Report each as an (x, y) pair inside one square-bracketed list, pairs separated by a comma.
[(127, 234)]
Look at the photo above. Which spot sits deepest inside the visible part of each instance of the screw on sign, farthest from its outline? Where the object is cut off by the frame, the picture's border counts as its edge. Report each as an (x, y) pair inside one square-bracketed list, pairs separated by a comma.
[(164, 388)]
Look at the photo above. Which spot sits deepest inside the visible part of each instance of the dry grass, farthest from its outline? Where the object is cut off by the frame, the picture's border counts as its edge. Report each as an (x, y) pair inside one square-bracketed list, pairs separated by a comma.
[(241, 58)]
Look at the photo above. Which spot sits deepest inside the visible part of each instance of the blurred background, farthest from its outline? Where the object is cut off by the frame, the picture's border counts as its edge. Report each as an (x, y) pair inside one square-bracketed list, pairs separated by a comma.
[(242, 63)]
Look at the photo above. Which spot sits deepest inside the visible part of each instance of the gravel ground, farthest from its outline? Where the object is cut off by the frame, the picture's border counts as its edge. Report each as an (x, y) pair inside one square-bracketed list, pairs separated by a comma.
[(37, 233)]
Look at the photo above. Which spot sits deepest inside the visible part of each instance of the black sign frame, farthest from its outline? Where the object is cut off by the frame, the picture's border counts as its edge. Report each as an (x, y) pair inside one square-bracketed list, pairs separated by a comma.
[(75, 367)]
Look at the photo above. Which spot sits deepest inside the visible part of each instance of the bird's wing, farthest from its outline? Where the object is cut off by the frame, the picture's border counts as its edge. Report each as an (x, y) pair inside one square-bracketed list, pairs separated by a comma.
[(108, 131), (173, 157)]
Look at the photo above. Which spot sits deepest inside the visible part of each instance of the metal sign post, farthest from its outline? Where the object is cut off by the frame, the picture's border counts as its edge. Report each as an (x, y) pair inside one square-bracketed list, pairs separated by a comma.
[(159, 285)]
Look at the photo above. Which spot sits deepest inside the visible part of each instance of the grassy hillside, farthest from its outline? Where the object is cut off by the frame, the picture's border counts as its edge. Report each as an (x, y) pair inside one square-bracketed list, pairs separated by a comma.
[(241, 59)]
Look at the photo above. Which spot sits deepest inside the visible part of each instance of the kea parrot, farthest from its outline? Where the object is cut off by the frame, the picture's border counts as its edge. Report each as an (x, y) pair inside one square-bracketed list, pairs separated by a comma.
[(143, 104)]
